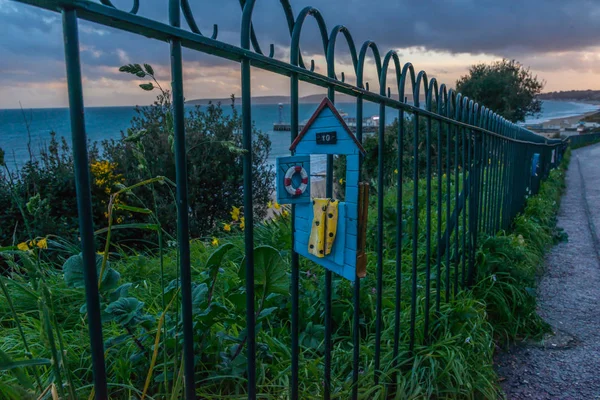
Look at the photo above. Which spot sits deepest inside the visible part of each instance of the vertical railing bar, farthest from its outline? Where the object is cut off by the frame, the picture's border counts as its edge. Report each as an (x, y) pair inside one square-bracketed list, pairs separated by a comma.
[(496, 185), (448, 194), (488, 183), (328, 277), (467, 200), (500, 187), (438, 283), (482, 162), (295, 278), (473, 223), (379, 283), (248, 206), (492, 184), (456, 206), (84, 199), (399, 237), (182, 203), (513, 182), (480, 225), (509, 168), (502, 183), (356, 292), (428, 228), (415, 232)]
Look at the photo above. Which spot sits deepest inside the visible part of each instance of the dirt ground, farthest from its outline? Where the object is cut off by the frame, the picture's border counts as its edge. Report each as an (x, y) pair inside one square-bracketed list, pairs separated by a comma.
[(566, 365)]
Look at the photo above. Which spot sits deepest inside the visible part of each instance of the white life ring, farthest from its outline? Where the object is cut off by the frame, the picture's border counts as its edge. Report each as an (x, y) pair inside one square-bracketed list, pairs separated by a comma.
[(288, 184)]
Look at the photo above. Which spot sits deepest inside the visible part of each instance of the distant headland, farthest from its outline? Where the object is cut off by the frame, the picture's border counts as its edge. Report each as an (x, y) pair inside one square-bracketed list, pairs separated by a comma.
[(581, 96)]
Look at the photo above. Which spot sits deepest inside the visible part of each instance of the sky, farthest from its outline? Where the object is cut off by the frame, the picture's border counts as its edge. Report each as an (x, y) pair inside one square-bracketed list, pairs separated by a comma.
[(559, 40)]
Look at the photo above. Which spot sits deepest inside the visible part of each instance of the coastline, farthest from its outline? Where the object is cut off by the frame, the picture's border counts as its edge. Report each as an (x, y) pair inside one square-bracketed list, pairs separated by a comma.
[(568, 121)]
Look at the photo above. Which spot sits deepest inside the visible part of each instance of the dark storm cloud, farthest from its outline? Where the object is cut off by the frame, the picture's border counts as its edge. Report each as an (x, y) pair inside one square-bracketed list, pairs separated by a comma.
[(31, 39)]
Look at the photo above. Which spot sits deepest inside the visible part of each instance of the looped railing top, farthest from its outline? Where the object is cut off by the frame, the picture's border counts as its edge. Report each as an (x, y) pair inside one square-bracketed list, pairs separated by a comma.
[(440, 102)]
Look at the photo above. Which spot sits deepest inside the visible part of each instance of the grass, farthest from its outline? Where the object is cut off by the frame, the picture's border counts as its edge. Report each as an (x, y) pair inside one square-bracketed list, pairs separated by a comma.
[(456, 361)]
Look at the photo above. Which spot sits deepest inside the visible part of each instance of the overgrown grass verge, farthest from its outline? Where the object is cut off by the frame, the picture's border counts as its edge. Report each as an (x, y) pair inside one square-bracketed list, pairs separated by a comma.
[(43, 309)]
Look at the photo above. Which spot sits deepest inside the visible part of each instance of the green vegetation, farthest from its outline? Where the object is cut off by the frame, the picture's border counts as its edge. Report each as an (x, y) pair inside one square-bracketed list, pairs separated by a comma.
[(39, 197), (45, 341), (504, 86), (45, 346)]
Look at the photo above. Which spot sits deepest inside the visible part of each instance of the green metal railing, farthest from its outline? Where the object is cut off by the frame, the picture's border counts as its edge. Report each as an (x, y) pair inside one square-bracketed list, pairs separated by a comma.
[(488, 159), (584, 140)]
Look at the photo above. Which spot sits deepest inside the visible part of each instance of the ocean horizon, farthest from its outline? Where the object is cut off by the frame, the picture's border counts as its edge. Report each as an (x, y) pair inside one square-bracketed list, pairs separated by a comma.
[(108, 122)]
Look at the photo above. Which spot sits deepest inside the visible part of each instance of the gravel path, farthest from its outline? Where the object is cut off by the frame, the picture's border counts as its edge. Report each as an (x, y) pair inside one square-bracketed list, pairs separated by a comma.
[(566, 365)]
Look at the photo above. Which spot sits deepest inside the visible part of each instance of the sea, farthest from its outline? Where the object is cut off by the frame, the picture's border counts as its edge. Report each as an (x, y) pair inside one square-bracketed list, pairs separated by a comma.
[(109, 122)]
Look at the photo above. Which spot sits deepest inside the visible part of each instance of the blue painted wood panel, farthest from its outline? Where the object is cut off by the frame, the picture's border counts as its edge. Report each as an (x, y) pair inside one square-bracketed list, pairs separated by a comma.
[(336, 261), (281, 166), (351, 241)]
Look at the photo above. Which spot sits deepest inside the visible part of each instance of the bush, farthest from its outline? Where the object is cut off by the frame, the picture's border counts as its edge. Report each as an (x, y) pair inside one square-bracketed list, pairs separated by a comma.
[(214, 154), (40, 198)]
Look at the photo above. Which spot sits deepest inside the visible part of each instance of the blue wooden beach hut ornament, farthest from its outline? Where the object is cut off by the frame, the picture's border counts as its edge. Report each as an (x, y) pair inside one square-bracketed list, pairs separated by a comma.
[(329, 232)]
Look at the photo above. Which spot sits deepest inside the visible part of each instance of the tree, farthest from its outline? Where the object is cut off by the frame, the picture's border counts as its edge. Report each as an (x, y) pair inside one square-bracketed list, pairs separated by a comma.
[(507, 87)]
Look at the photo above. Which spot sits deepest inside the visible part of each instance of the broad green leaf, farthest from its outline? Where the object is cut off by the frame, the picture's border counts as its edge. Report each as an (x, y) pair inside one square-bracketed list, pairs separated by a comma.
[(125, 310), (119, 292), (269, 272), (265, 313), (216, 312), (73, 273), (199, 294), (214, 260)]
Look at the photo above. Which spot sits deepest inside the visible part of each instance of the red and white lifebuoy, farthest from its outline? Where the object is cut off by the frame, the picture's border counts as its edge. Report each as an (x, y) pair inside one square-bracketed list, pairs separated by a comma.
[(288, 184)]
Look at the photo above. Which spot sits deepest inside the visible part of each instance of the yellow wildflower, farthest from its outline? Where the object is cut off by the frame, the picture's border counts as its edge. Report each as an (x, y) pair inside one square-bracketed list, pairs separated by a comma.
[(23, 246), (277, 206), (42, 243), (242, 223), (444, 176), (227, 227), (235, 213), (119, 220), (285, 213), (396, 171), (341, 181), (215, 241), (269, 204)]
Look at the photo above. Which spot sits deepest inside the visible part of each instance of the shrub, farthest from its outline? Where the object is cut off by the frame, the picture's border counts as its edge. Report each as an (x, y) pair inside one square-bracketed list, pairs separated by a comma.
[(40, 198)]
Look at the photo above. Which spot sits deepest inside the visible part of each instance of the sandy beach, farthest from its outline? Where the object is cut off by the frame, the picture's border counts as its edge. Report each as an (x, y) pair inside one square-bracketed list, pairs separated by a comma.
[(565, 122)]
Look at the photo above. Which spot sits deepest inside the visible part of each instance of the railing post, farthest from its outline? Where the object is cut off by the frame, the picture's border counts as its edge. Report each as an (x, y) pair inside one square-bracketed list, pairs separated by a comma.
[(84, 199), (183, 235), (248, 207), (474, 205)]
